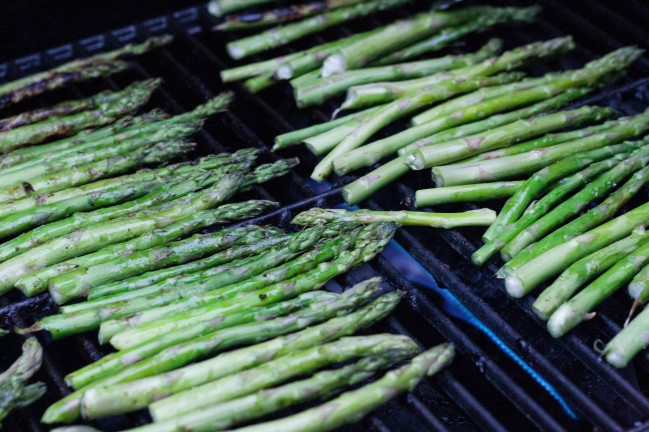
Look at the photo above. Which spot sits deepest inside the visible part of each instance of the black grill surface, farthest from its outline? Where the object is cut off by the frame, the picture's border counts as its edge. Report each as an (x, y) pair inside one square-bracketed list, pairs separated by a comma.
[(485, 388)]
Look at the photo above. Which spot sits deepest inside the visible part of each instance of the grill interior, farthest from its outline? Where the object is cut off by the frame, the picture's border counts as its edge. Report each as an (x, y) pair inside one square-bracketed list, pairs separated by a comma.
[(485, 388)]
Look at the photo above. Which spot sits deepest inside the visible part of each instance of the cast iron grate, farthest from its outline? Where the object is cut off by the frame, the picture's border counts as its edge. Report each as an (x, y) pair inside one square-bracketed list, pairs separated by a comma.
[(484, 389)]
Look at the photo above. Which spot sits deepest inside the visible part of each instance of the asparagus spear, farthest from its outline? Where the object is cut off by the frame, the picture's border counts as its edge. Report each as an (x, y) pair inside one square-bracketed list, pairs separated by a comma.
[(13, 391), (628, 342), (438, 220), (97, 236), (448, 35), (282, 35), (397, 109), (529, 275), (68, 409), (224, 7), (297, 136), (503, 136), (322, 384), (281, 15), (77, 280), (353, 405), (99, 65), (317, 91), (539, 208), (131, 98), (206, 304), (591, 192), (266, 172), (281, 369), (453, 126), (405, 32), (384, 92), (579, 307), (59, 110), (590, 219), (585, 269), (525, 163), (112, 363), (131, 335), (467, 193), (143, 392)]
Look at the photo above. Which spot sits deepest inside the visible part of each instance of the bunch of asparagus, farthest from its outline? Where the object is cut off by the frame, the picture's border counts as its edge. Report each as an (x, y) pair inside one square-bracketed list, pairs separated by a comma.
[(279, 333), (383, 49)]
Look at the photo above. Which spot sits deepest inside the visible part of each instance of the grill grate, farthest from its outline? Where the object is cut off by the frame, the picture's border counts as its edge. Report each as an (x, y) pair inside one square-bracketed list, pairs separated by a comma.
[(484, 389)]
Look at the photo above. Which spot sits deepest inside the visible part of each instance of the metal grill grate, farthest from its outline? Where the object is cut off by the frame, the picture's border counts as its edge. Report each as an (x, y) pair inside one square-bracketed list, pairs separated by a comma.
[(485, 389)]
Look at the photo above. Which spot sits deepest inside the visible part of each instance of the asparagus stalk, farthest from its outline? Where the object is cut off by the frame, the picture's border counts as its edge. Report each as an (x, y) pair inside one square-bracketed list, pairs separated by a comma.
[(279, 370), (124, 337), (398, 109), (639, 286), (406, 32), (585, 269), (448, 35), (207, 304), (143, 392), (73, 282), (539, 208), (453, 126), (517, 165), (320, 385), (628, 342), (281, 15), (579, 307), (131, 98), (590, 219), (318, 90), (100, 65), (353, 405), (282, 35), (591, 192), (59, 110), (467, 193), (326, 141), (438, 220), (529, 275), (14, 392), (113, 363), (384, 92), (224, 7), (266, 172), (98, 236), (297, 136)]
